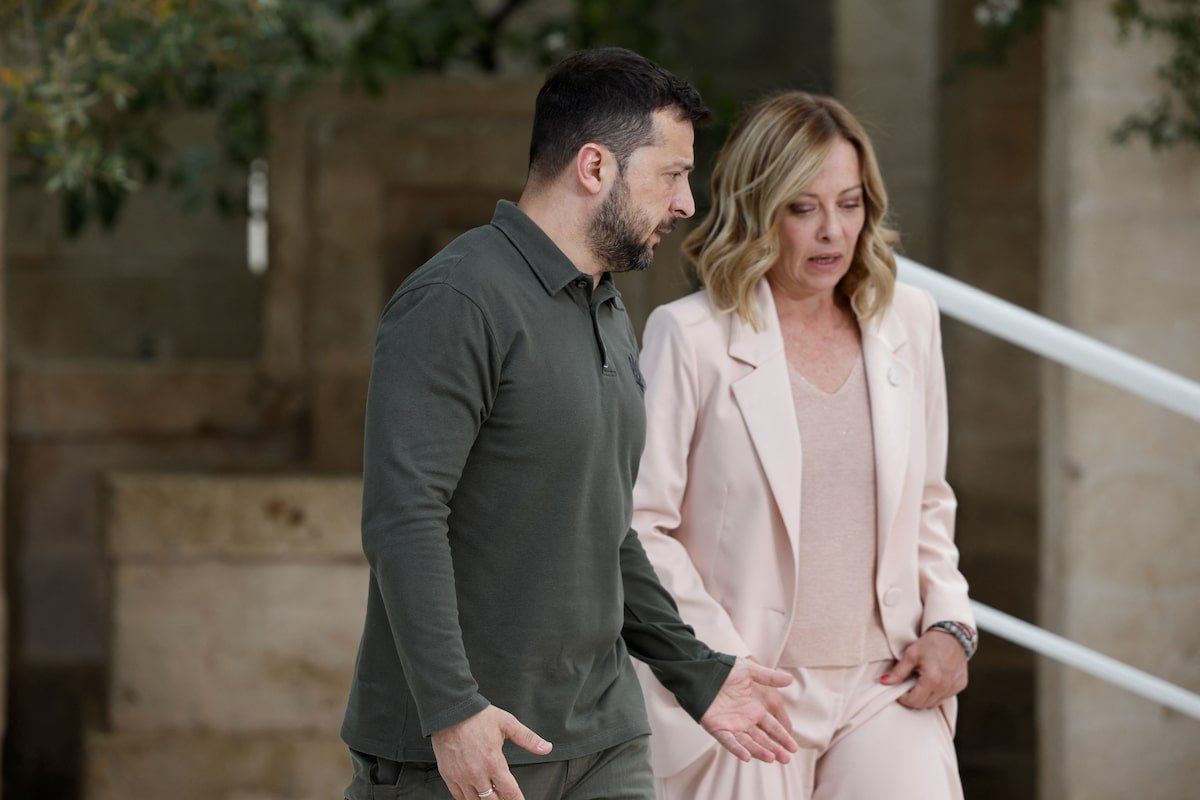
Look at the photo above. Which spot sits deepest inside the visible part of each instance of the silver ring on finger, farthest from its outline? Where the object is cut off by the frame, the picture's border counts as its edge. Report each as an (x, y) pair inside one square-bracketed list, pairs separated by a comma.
[(488, 793)]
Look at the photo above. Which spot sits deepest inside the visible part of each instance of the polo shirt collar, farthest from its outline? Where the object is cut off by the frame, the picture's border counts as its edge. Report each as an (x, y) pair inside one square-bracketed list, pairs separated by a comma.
[(550, 264)]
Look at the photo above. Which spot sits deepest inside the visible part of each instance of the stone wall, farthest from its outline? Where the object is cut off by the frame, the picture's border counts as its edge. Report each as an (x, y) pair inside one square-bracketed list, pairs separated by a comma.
[(1120, 551), (237, 606)]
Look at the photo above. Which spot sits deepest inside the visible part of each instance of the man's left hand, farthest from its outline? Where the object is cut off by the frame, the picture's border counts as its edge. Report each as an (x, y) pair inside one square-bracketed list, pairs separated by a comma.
[(940, 664), (747, 716)]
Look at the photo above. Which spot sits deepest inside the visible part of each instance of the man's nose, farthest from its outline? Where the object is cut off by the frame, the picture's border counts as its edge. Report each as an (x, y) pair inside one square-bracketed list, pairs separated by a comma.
[(682, 204)]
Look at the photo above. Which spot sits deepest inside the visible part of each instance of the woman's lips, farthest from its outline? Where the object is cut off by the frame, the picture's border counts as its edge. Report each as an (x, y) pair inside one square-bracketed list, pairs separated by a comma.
[(826, 263)]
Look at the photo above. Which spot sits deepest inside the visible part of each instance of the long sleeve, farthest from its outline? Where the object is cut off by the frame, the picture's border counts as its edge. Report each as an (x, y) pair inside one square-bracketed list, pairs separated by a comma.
[(433, 380), (655, 634), (943, 587), (672, 406)]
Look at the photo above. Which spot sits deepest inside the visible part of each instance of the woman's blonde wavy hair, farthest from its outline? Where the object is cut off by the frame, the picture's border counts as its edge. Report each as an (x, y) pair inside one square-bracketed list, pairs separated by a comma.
[(773, 153)]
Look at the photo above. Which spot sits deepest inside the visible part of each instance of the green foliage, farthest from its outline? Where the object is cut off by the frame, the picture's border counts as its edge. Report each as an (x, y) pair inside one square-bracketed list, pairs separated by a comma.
[(86, 84), (1175, 115)]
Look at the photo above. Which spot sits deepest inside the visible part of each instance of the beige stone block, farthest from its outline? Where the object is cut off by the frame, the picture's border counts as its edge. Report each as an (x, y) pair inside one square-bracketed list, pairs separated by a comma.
[(216, 646), (1114, 432), (267, 765), (113, 398), (1135, 268), (1117, 179), (1147, 751), (56, 527), (1098, 61), (156, 517)]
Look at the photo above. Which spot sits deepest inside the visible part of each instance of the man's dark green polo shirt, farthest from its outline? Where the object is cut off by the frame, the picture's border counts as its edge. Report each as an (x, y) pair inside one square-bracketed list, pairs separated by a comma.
[(504, 429)]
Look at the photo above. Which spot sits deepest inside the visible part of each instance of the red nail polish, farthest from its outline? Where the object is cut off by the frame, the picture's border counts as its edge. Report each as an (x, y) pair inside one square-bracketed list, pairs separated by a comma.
[(884, 676)]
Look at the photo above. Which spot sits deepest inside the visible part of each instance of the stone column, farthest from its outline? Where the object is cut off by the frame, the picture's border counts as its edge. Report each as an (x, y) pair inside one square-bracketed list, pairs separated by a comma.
[(1121, 510), (885, 68)]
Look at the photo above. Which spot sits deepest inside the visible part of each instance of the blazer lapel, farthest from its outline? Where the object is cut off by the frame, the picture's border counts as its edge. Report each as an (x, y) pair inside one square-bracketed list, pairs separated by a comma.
[(764, 398), (890, 387)]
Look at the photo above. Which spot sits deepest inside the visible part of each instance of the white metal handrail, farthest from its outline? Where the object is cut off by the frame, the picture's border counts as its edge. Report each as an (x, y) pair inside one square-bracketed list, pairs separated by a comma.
[(1056, 342), (1103, 362), (1087, 660)]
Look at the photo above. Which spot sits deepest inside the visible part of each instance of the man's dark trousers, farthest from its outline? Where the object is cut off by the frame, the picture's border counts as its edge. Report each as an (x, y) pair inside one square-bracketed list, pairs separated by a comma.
[(621, 772)]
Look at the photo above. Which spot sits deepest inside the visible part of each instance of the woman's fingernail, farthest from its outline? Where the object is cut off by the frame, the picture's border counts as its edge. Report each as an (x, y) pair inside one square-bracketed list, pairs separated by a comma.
[(884, 677)]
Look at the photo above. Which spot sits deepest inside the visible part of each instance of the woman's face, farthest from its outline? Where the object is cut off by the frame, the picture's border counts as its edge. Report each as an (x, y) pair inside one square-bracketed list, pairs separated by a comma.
[(819, 228)]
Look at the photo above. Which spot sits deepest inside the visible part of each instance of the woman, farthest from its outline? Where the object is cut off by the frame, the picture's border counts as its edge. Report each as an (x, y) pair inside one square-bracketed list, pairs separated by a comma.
[(792, 494)]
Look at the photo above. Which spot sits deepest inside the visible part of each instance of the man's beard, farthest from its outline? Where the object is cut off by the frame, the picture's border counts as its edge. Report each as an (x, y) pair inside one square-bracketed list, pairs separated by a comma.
[(616, 237)]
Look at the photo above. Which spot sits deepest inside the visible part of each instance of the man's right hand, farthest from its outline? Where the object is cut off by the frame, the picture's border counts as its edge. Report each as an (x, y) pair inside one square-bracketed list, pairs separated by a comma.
[(470, 760)]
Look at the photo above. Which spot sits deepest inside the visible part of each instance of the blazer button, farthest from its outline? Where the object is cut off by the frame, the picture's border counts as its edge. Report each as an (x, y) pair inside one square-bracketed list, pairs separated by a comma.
[(891, 597), (894, 376)]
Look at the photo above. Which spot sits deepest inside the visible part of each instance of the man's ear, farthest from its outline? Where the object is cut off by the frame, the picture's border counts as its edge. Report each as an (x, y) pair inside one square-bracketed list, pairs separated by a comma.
[(591, 162)]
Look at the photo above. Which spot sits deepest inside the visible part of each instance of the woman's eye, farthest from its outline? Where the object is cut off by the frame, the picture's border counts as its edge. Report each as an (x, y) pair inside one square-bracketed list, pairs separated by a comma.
[(798, 209), (852, 204)]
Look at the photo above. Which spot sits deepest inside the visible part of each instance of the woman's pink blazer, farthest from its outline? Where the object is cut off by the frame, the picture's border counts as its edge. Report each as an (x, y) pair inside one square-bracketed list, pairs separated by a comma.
[(717, 500)]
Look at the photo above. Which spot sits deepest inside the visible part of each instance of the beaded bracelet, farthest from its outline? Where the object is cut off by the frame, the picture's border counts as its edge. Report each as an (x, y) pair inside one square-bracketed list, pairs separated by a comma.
[(966, 637)]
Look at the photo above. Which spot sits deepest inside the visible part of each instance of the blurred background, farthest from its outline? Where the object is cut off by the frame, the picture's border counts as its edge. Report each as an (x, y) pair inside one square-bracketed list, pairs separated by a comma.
[(209, 202)]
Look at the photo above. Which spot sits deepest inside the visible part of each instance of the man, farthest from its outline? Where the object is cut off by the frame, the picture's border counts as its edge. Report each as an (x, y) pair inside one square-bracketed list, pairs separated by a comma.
[(504, 430)]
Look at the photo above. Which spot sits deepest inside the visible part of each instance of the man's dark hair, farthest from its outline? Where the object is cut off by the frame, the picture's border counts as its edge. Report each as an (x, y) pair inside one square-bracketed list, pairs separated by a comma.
[(607, 96)]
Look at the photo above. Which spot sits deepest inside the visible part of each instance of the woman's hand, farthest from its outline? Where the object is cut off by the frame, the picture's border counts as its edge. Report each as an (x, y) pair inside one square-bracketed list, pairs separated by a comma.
[(940, 664)]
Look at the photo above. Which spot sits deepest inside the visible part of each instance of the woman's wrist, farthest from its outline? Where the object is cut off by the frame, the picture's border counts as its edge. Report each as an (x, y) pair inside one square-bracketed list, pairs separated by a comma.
[(965, 634)]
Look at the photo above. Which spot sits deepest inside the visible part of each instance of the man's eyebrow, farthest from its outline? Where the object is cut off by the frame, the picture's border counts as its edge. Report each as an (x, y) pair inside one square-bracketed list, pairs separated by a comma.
[(686, 166)]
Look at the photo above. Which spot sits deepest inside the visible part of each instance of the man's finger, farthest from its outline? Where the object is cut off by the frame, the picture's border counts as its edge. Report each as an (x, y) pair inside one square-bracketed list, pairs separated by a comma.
[(778, 732), (755, 749), (769, 677), (763, 740), (506, 786), (525, 738), (730, 743)]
